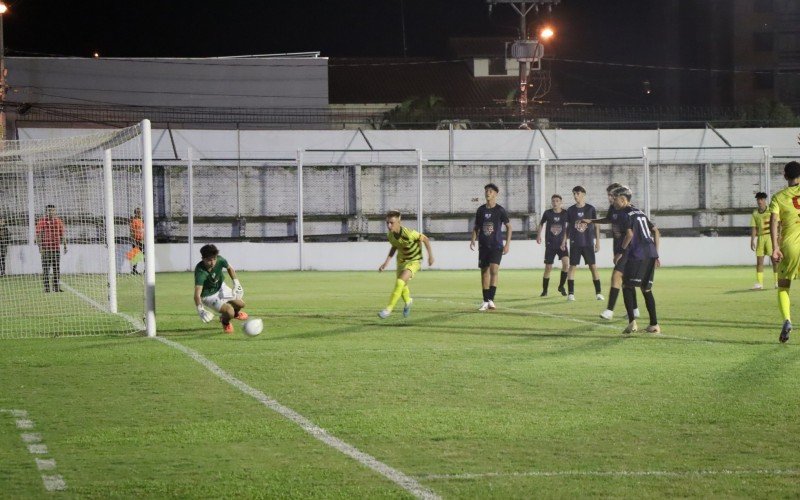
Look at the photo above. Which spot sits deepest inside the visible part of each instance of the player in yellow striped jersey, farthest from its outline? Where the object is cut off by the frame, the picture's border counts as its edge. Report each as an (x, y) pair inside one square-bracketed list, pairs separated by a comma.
[(785, 209), (760, 241), (406, 243)]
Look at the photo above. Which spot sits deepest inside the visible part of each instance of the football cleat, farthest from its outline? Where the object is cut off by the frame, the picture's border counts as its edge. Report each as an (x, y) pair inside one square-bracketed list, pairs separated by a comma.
[(632, 327), (562, 291), (384, 314), (607, 314), (757, 286), (484, 306), (787, 327), (228, 328), (636, 313), (653, 329), (241, 316), (599, 296), (407, 308), (571, 298), (491, 305), (543, 294)]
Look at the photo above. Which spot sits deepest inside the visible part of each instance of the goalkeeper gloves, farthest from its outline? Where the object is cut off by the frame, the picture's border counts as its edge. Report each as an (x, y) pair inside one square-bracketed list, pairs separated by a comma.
[(205, 316), (238, 291)]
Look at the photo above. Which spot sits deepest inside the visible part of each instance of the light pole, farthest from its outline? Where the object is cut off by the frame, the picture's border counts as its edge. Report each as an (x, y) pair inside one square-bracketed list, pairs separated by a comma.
[(3, 10)]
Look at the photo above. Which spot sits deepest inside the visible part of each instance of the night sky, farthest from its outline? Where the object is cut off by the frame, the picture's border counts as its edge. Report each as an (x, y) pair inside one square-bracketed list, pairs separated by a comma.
[(180, 28)]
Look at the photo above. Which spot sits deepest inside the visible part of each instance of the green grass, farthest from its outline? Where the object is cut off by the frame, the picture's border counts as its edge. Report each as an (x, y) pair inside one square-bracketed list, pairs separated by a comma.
[(540, 398)]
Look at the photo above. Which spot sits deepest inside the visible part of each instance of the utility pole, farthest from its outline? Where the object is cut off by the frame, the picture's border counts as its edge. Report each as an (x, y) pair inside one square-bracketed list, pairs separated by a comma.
[(525, 51)]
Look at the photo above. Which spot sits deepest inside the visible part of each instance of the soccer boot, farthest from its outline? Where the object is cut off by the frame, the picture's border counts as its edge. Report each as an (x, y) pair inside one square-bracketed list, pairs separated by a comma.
[(653, 329), (562, 291), (599, 296), (491, 305), (636, 313), (632, 327), (484, 306), (757, 286), (571, 298), (607, 314), (787, 327), (407, 308), (241, 316), (228, 328), (384, 314), (543, 294)]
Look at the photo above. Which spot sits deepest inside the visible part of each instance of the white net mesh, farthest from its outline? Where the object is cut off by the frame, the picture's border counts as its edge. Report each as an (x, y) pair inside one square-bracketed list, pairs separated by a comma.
[(54, 236)]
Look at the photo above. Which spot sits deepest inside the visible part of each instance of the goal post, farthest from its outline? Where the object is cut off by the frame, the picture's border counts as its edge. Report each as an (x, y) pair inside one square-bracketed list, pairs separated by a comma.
[(72, 213)]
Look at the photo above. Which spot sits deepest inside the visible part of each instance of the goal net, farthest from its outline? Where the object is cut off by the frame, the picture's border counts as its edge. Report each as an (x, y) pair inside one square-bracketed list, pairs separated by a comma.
[(73, 227)]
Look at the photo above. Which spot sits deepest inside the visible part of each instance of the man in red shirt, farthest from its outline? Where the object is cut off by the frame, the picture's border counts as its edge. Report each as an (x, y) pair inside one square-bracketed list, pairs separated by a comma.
[(50, 237)]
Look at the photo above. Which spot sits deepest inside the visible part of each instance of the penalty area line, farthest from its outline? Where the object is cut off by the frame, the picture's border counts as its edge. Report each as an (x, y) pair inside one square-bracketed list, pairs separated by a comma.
[(406, 482), (615, 473)]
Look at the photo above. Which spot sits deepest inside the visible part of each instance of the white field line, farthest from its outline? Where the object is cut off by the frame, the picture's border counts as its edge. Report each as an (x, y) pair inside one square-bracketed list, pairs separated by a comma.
[(139, 325), (36, 447), (406, 482), (613, 473), (606, 326)]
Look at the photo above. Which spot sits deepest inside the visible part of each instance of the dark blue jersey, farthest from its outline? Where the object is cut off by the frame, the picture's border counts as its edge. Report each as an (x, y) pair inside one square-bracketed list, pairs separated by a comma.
[(580, 233), (489, 226), (615, 217), (556, 224), (643, 244)]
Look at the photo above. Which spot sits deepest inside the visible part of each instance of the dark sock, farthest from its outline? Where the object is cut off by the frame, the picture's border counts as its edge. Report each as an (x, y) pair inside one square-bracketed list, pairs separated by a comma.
[(486, 295), (650, 302), (562, 280), (612, 298), (596, 286), (571, 287), (628, 294), (545, 284), (492, 291)]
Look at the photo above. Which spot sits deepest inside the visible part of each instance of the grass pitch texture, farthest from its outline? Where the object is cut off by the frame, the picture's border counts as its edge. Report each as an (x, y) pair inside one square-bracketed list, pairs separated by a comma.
[(540, 398)]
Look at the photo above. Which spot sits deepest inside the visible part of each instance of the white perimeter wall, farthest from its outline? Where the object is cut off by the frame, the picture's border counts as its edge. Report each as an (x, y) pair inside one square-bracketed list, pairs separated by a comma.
[(360, 256)]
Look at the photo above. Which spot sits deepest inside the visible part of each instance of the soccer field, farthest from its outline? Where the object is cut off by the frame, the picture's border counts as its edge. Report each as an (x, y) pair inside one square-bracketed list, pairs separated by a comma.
[(540, 398)]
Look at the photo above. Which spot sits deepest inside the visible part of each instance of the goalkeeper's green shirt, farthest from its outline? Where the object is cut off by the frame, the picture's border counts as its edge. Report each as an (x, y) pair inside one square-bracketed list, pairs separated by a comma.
[(210, 280)]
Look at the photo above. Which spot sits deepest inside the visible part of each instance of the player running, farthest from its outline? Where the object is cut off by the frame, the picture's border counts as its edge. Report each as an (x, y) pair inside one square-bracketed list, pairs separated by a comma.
[(406, 243), (784, 211)]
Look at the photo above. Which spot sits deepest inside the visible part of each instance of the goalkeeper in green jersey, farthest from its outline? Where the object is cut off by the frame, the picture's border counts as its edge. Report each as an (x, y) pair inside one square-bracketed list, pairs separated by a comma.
[(406, 243), (210, 289)]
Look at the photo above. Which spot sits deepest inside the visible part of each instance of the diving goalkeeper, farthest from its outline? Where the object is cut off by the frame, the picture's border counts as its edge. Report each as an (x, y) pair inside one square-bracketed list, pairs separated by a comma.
[(210, 289)]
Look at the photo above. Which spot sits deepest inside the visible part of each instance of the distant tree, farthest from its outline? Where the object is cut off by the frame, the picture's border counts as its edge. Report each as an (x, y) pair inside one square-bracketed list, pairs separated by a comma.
[(413, 112), (770, 112)]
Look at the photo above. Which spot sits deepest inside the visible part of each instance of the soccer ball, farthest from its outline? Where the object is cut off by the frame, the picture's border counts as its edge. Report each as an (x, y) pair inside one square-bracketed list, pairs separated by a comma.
[(253, 327)]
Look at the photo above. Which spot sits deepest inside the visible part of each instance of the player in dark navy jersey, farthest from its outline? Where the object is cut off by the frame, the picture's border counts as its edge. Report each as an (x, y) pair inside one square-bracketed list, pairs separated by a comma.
[(487, 230), (584, 240), (640, 247), (556, 220), (614, 217)]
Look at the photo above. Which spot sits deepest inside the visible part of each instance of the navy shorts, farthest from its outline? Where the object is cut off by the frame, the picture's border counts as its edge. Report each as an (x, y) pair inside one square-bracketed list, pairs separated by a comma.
[(576, 253), (620, 265), (488, 256), (551, 253), (639, 273)]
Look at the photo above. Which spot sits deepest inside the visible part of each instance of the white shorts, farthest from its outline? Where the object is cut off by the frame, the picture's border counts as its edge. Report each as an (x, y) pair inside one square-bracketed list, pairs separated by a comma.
[(219, 299)]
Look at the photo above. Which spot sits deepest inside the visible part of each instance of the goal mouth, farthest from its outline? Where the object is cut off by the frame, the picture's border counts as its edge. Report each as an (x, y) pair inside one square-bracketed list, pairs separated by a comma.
[(67, 206)]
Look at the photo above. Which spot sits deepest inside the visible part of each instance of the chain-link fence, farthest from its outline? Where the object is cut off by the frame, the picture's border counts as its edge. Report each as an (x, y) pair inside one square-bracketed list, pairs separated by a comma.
[(343, 195)]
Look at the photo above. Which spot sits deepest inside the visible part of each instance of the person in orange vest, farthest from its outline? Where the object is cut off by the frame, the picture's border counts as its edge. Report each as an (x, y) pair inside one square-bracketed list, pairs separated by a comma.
[(50, 238), (137, 235)]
